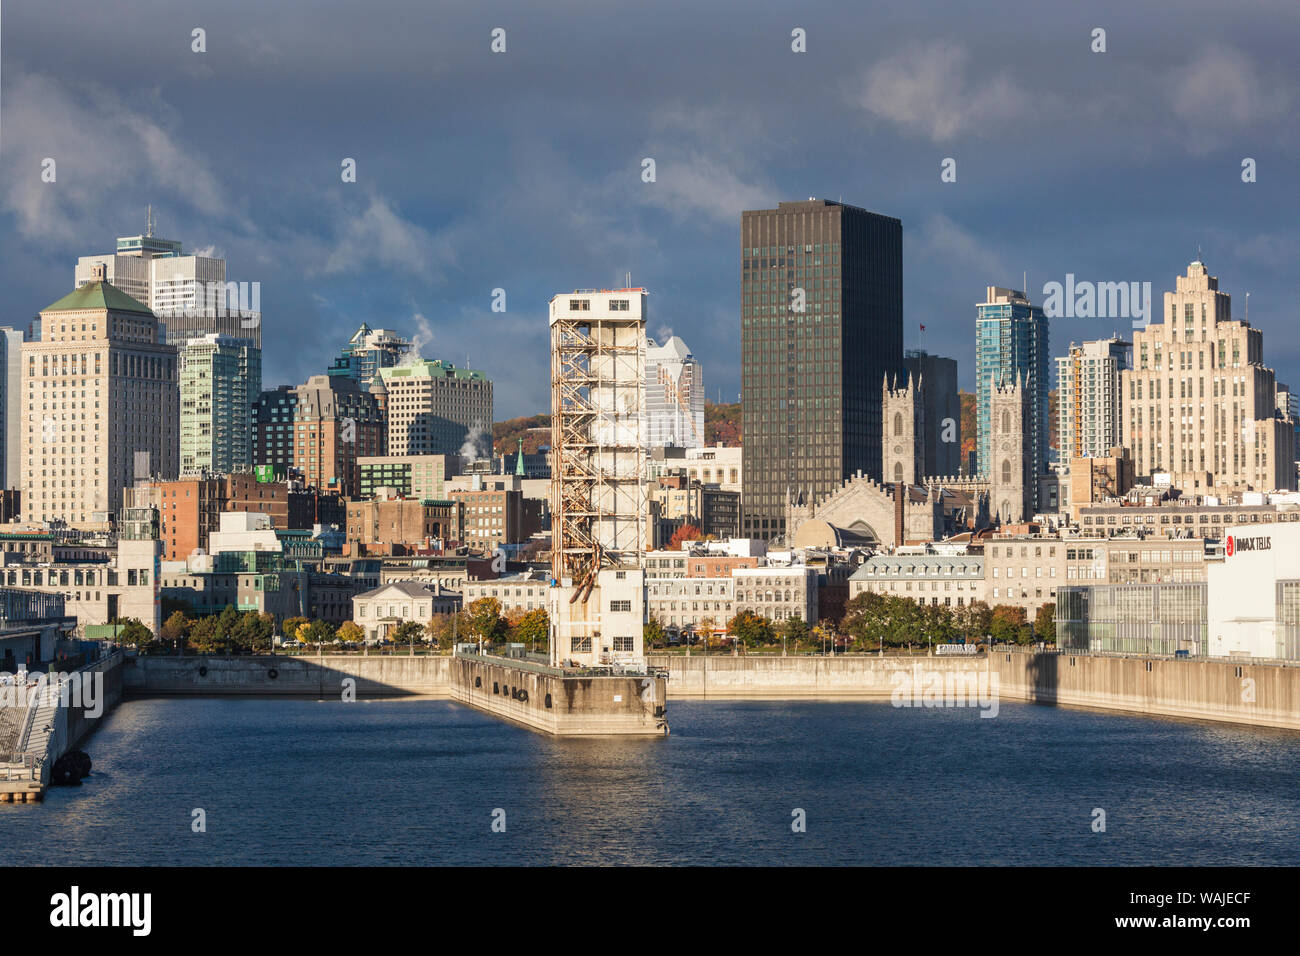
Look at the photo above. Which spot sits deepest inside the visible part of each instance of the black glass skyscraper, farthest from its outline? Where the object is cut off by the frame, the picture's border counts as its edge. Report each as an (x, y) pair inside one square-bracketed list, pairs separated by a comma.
[(821, 325)]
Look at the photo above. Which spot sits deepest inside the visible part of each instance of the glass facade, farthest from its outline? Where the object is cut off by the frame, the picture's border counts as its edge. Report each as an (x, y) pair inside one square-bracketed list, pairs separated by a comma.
[(1011, 341), (1133, 618), (821, 326)]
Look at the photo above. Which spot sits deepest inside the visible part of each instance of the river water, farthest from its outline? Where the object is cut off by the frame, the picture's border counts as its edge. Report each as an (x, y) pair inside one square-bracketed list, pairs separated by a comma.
[(421, 782)]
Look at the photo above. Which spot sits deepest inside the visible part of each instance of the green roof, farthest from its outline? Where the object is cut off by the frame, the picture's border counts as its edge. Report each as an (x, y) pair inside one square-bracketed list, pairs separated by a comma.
[(97, 295)]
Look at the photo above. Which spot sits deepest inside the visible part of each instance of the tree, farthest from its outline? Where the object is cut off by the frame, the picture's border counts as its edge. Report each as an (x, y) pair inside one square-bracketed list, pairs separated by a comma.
[(253, 631), (176, 628), (446, 630), (289, 628), (687, 532), (132, 631), (1045, 623), (486, 622), (351, 633), (976, 621), (793, 630), (750, 629), (408, 632), (1008, 620), (533, 628), (317, 632), (652, 633)]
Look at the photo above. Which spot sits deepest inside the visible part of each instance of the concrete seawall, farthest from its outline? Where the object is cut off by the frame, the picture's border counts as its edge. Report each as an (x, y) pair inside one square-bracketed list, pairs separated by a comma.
[(281, 675), (1226, 691)]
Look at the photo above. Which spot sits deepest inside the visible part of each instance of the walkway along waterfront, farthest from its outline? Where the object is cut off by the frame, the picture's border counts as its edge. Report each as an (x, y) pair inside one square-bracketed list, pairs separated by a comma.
[(1264, 695), (41, 722)]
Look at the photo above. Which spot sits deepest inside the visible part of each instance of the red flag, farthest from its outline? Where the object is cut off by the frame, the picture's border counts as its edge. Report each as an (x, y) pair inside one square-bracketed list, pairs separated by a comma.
[(923, 328)]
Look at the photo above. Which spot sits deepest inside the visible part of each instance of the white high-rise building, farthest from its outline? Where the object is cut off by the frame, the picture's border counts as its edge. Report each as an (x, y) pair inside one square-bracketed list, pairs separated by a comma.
[(674, 395), (189, 294), (1089, 401)]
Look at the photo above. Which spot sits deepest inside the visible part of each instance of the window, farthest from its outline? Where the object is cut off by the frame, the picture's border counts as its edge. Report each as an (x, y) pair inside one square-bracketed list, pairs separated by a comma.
[(623, 644), (615, 606)]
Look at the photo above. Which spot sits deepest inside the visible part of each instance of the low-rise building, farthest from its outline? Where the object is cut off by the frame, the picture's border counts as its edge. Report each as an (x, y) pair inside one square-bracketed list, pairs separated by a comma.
[(380, 611), (947, 580), (777, 593), (685, 603)]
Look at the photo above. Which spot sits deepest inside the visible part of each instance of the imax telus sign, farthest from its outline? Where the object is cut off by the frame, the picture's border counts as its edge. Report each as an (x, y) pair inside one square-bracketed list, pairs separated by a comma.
[(1257, 543)]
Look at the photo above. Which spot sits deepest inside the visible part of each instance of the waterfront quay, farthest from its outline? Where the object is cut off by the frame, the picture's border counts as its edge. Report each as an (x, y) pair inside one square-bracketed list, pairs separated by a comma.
[(1228, 691)]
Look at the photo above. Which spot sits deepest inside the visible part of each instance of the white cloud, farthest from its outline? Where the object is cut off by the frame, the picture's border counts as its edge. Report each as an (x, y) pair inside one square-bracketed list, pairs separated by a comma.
[(1221, 91), (926, 91), (101, 147)]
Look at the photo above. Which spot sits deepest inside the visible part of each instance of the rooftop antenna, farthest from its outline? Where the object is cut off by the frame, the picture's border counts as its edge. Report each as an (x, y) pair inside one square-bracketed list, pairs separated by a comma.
[(148, 221), (1248, 308), (628, 277)]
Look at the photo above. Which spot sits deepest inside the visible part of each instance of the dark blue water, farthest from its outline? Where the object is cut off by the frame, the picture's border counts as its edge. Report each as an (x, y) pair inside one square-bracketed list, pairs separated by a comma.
[(417, 781)]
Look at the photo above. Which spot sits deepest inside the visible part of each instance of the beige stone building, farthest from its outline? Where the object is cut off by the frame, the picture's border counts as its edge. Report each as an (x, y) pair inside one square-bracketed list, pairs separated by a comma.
[(940, 579), (1199, 402), (776, 593), (100, 406), (684, 603)]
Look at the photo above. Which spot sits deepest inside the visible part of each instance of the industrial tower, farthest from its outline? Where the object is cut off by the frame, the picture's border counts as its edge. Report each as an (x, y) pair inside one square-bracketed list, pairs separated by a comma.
[(598, 498)]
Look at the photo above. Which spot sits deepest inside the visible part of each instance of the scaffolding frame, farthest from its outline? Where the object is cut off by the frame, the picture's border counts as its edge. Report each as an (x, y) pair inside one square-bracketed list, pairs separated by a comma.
[(597, 441)]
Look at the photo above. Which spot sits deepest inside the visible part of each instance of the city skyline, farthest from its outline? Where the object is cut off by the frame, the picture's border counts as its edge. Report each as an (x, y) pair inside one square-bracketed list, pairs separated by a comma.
[(527, 207)]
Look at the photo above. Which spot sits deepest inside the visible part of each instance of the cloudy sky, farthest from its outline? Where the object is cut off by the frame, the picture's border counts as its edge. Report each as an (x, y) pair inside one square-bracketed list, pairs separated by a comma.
[(522, 170)]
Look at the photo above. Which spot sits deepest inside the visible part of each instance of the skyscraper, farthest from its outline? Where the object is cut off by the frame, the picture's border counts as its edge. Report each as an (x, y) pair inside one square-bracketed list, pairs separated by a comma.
[(100, 405), (937, 377), (1201, 404), (336, 423), (11, 406), (368, 351), (435, 408), (674, 395), (821, 326), (220, 379), (1089, 403), (189, 295), (1011, 346)]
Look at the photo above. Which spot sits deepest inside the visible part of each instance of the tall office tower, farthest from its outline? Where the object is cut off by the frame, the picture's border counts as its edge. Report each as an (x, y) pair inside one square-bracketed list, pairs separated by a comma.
[(939, 393), (1011, 345), (1201, 404), (189, 295), (821, 288), (674, 395), (336, 423), (1089, 403), (368, 351), (11, 407), (220, 380), (1288, 406), (101, 406), (435, 408)]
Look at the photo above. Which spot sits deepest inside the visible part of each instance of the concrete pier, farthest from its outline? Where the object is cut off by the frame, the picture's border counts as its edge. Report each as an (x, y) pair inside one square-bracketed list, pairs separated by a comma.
[(564, 703)]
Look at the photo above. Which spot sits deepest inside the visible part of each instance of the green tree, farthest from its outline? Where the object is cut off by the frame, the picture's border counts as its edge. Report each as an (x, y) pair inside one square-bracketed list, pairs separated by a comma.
[(317, 632), (793, 630), (750, 629), (976, 621), (1008, 621), (533, 629), (253, 632), (652, 632), (134, 633), (486, 622), (1045, 623), (408, 632), (289, 628)]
